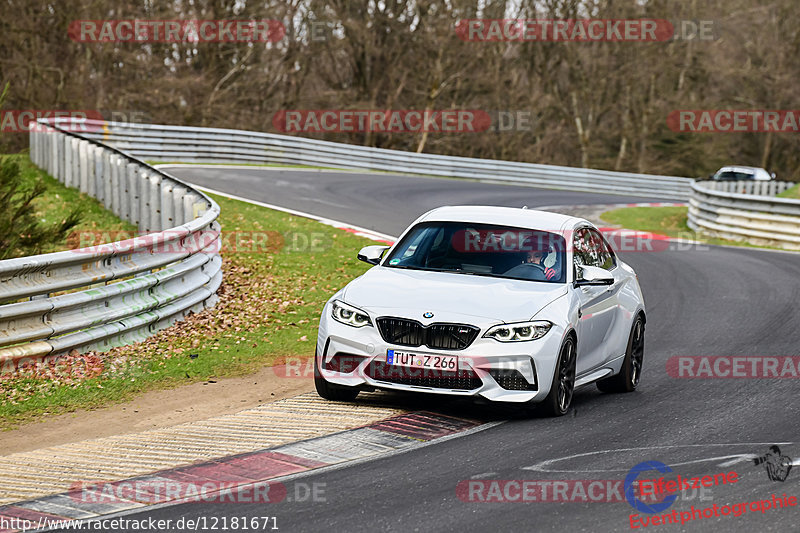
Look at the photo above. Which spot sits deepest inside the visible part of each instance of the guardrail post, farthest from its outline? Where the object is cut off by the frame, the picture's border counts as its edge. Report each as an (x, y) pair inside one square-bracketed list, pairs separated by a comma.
[(54, 155), (63, 159), (76, 163), (154, 199), (58, 164), (83, 148), (167, 206), (178, 216), (116, 191), (32, 140), (96, 188), (144, 201), (69, 162), (106, 182), (53, 163), (132, 194)]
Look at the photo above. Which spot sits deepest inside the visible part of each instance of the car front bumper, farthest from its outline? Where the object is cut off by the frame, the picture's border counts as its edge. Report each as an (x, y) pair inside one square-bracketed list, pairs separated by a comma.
[(531, 364)]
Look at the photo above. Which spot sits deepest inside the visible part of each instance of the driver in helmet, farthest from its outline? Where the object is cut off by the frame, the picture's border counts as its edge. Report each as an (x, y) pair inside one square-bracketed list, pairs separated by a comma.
[(537, 251)]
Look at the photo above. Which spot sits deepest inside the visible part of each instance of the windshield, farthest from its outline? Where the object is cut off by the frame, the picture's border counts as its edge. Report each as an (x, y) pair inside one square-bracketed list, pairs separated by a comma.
[(482, 250), (730, 175)]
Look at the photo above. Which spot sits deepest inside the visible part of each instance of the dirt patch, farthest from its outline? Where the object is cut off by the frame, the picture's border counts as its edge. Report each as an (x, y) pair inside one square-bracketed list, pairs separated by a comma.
[(157, 409)]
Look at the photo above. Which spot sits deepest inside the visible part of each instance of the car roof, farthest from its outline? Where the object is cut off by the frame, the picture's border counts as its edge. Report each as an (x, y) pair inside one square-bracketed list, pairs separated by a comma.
[(506, 216), (737, 168)]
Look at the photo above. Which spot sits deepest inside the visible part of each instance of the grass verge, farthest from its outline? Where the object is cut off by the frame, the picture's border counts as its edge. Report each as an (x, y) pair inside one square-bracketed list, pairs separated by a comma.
[(793, 193), (58, 201), (269, 307), (670, 221)]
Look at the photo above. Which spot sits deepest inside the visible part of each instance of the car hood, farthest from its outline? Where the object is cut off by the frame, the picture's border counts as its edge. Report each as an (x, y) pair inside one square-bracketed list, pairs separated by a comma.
[(387, 290)]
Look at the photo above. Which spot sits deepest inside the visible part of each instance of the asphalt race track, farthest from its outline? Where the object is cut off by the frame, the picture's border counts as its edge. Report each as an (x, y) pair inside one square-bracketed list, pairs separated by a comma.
[(380, 202), (701, 301)]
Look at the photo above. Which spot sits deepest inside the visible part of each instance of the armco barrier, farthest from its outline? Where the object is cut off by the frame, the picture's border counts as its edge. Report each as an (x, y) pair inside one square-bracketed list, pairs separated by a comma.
[(178, 143), (758, 188), (760, 220), (115, 293)]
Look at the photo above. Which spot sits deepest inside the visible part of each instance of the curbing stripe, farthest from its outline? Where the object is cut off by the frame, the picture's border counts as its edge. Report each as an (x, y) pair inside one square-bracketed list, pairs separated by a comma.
[(398, 433), (27, 475), (423, 426), (12, 515), (342, 447), (53, 507)]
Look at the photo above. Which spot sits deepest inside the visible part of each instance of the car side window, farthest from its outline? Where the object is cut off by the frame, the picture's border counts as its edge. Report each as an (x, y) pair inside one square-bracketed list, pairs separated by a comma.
[(605, 255), (582, 251), (590, 249)]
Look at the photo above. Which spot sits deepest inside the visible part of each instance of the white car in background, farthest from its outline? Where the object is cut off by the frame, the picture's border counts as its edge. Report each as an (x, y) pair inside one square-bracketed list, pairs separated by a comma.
[(509, 305), (739, 173)]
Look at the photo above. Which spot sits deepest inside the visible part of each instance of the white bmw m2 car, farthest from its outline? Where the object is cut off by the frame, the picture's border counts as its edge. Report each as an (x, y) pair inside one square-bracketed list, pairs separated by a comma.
[(509, 305)]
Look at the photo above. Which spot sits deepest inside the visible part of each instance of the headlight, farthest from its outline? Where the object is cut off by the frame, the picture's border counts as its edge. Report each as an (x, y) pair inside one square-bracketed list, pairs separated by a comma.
[(519, 331), (347, 314)]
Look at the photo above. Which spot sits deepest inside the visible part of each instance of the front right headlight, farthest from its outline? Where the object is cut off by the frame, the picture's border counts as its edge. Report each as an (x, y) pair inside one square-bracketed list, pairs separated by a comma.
[(347, 314), (519, 331)]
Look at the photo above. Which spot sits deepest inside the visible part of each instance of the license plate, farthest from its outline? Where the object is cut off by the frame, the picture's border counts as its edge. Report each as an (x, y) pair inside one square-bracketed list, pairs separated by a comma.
[(414, 360)]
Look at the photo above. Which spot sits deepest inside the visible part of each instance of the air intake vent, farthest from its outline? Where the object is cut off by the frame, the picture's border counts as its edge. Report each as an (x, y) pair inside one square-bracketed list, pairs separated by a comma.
[(424, 377), (439, 336), (512, 379)]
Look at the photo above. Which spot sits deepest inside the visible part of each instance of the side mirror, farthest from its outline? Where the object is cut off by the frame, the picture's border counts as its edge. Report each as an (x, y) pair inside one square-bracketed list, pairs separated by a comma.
[(372, 254), (591, 275), (772, 175)]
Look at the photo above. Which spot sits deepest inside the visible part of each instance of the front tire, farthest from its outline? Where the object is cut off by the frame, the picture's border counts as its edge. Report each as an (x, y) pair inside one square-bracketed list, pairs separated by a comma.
[(628, 377), (331, 391), (562, 388)]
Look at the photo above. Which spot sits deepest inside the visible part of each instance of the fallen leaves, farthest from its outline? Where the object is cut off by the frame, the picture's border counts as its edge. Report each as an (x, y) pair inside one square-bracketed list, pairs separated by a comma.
[(268, 302)]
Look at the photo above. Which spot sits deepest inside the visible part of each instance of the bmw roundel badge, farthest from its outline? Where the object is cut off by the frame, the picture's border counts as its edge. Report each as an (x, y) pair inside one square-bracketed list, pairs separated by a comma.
[(427, 314)]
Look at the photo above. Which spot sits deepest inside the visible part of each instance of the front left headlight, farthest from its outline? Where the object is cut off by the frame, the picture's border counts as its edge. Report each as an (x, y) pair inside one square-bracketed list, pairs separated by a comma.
[(519, 331), (347, 314)]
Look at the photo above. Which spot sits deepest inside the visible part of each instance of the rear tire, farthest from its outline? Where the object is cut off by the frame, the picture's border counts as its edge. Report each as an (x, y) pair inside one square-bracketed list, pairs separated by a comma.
[(562, 388), (331, 391), (628, 377)]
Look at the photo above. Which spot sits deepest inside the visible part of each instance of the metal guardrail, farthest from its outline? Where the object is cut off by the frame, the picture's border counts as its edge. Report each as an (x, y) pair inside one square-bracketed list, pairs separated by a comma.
[(757, 219), (116, 293), (177, 143), (759, 188)]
